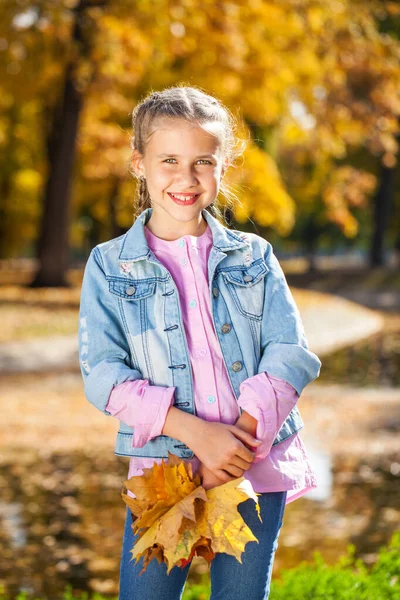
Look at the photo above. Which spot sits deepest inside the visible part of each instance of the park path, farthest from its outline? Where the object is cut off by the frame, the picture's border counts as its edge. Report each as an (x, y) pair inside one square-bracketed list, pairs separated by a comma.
[(330, 322)]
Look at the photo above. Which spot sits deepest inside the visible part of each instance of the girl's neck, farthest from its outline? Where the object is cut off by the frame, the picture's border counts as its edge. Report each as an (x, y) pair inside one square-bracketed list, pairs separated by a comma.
[(171, 232)]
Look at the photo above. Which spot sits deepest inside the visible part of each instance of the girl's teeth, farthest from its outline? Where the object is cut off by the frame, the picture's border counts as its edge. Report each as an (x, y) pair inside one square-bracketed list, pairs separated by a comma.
[(184, 198)]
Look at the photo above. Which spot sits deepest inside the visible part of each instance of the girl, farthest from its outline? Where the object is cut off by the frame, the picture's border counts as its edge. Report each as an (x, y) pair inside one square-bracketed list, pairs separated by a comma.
[(190, 337)]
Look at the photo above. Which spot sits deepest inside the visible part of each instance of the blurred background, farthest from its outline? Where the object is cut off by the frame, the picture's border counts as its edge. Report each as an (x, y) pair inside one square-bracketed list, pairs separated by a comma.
[(316, 88)]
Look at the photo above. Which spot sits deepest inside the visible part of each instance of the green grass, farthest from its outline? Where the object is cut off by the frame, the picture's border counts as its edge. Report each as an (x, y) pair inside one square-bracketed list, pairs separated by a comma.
[(347, 579)]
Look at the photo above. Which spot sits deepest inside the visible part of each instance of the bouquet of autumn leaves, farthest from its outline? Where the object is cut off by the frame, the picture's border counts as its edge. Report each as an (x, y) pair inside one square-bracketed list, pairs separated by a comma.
[(176, 518)]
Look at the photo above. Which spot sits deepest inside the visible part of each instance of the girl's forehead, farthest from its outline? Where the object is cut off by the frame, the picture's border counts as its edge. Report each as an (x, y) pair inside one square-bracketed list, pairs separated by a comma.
[(208, 135)]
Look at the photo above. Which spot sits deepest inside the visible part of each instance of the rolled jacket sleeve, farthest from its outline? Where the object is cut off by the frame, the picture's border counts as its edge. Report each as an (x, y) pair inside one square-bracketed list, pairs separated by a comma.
[(141, 406), (104, 355), (268, 399), (284, 349)]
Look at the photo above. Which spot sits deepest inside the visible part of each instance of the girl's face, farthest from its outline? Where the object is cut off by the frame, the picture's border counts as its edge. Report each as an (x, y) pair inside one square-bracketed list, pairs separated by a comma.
[(181, 158)]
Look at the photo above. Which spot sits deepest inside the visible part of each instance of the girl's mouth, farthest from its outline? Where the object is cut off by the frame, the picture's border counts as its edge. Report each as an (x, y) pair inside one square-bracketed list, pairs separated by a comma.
[(183, 199)]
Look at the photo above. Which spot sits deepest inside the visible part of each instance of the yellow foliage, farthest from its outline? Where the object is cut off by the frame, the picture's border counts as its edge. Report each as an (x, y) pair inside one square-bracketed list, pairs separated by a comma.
[(343, 68), (27, 181), (176, 518), (263, 196)]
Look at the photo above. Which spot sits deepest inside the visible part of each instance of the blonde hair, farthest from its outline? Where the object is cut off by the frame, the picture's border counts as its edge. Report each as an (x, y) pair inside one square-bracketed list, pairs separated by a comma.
[(196, 106)]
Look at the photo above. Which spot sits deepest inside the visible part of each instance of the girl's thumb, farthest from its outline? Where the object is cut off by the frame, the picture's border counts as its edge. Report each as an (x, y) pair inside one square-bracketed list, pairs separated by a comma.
[(247, 437)]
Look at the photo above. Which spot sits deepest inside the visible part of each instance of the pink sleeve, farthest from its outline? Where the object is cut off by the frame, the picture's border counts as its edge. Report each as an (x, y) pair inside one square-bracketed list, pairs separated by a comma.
[(268, 399), (141, 406)]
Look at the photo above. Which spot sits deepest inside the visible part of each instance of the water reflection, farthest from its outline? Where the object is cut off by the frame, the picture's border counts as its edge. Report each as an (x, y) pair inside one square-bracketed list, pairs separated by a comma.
[(363, 508), (11, 517), (322, 466), (61, 519)]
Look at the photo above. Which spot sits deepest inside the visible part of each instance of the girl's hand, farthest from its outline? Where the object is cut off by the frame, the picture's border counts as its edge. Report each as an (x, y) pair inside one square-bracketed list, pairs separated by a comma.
[(208, 479), (223, 449)]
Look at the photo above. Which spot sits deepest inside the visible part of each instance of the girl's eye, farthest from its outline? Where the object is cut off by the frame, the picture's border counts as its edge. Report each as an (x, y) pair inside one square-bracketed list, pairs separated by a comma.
[(201, 159)]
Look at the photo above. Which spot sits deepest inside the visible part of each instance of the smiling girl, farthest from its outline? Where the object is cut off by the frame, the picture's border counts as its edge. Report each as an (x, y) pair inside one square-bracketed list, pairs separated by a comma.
[(197, 344)]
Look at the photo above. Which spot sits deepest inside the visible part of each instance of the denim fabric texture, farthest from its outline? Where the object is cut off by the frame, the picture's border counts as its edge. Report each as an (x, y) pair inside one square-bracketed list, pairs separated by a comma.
[(130, 324), (230, 580)]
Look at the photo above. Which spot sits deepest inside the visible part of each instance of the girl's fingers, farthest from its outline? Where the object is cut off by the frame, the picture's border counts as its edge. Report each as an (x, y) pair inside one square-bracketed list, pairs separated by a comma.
[(241, 463), (235, 471), (224, 475), (245, 436), (229, 473)]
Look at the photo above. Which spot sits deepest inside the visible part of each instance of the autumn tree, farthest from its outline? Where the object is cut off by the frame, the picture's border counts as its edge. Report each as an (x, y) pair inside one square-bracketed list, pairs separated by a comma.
[(309, 82)]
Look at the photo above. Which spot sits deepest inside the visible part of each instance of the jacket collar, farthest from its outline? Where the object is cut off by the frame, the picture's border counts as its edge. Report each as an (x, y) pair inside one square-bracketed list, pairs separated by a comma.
[(135, 245)]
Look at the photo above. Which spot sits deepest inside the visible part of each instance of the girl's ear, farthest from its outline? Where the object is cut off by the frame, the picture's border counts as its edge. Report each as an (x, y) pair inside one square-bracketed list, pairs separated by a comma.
[(225, 165), (137, 165)]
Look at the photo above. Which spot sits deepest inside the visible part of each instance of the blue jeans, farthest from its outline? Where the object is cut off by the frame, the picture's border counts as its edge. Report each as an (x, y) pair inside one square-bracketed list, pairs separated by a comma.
[(229, 579)]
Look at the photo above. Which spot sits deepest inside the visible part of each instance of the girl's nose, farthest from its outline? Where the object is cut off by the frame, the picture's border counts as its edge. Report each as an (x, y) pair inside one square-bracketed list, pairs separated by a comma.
[(187, 177)]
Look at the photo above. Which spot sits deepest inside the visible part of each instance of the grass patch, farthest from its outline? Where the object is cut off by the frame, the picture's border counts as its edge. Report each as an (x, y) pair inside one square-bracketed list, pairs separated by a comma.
[(347, 579)]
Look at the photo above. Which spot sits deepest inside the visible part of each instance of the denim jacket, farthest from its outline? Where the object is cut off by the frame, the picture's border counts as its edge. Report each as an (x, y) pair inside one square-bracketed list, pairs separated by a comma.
[(130, 324)]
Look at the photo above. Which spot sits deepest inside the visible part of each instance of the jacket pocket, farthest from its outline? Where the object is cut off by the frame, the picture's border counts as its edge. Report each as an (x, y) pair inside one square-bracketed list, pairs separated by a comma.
[(246, 287), (130, 289), (136, 300)]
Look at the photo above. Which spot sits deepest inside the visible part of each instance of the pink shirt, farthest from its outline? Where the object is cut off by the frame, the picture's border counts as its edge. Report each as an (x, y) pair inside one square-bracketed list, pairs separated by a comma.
[(268, 399)]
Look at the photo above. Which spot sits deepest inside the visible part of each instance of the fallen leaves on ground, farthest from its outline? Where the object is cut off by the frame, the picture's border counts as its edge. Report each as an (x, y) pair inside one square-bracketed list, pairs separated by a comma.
[(176, 518)]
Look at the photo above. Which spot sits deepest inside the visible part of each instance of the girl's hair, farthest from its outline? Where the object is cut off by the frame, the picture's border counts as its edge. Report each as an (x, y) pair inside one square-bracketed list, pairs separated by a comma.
[(196, 106)]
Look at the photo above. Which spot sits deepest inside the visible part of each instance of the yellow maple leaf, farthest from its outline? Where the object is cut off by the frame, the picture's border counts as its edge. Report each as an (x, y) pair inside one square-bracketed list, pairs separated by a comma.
[(176, 518)]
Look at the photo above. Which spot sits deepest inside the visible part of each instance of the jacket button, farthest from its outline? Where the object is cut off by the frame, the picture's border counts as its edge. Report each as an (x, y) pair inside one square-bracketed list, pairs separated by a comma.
[(225, 328), (247, 278), (130, 290), (215, 291), (237, 366)]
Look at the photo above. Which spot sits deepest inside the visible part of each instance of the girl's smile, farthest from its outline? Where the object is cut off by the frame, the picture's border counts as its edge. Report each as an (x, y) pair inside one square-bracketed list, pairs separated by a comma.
[(184, 199)]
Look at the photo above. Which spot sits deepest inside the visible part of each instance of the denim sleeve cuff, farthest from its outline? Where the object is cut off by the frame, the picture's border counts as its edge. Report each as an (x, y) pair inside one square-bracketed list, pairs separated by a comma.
[(268, 399), (143, 407), (293, 363)]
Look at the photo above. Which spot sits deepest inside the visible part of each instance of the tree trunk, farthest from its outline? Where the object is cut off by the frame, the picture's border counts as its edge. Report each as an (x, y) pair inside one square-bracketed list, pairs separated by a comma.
[(311, 235), (382, 208), (8, 169), (53, 244)]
